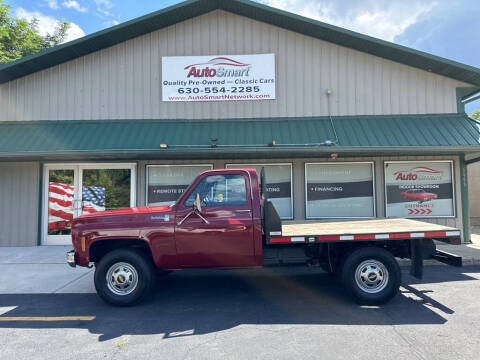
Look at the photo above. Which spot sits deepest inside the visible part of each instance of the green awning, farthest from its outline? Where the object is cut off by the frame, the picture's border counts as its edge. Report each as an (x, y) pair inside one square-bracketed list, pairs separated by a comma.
[(432, 133)]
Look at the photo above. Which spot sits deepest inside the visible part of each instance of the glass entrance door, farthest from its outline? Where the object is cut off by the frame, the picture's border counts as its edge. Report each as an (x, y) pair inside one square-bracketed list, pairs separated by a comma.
[(61, 199), (72, 190)]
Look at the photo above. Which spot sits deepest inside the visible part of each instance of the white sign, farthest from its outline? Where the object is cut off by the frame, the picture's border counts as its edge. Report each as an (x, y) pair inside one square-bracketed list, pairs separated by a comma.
[(218, 77), (419, 189)]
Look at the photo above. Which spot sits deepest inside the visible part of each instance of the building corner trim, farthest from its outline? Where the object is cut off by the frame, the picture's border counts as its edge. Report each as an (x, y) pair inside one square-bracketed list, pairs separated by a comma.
[(40, 202)]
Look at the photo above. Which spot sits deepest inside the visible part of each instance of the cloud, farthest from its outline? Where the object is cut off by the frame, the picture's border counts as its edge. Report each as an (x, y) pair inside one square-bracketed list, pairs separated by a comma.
[(384, 20), (112, 22), (104, 7), (72, 4), (52, 4), (47, 24), (74, 32)]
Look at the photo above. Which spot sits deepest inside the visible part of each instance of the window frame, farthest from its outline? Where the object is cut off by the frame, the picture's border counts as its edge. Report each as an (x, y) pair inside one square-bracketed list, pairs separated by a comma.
[(453, 181)]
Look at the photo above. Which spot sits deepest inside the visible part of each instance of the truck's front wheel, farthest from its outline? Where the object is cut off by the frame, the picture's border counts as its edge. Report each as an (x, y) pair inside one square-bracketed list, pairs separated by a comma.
[(371, 275), (123, 277)]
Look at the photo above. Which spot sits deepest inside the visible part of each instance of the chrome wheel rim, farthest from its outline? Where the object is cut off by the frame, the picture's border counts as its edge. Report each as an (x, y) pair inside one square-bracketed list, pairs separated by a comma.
[(122, 278), (371, 276)]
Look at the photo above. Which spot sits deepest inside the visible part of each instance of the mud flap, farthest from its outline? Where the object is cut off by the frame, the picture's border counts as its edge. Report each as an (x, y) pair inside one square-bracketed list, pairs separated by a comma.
[(272, 222), (447, 258), (416, 255)]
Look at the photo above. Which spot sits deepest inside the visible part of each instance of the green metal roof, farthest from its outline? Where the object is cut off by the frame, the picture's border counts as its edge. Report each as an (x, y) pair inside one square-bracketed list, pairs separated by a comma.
[(434, 133), (192, 8)]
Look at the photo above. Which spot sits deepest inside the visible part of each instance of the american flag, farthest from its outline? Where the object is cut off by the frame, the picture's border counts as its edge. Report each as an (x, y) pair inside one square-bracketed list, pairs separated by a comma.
[(60, 207), (93, 198)]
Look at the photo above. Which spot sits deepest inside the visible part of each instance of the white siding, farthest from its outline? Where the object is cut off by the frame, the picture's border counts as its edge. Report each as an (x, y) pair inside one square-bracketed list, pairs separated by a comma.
[(124, 81)]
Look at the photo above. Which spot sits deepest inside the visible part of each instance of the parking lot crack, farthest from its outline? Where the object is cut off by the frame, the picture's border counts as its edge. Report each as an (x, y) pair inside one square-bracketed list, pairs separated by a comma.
[(411, 345)]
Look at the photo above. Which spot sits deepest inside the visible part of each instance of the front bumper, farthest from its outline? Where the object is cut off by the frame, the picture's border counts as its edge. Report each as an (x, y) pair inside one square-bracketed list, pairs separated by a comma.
[(71, 258)]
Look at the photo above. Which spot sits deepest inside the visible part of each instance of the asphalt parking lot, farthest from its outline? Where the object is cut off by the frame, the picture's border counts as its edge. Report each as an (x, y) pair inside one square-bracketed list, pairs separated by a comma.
[(250, 314)]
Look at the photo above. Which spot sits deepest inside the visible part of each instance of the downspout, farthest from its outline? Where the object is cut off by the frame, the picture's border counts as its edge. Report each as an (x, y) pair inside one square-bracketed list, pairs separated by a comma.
[(465, 204), (464, 189)]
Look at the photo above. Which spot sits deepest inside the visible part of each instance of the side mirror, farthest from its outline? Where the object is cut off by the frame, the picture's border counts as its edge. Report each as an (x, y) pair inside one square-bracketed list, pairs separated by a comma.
[(197, 204)]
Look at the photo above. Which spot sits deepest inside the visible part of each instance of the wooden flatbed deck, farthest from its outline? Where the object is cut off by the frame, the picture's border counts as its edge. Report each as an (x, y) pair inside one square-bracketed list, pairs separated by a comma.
[(378, 226)]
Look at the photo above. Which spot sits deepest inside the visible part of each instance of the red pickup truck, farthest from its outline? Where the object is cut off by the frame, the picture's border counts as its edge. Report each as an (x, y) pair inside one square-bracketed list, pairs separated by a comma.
[(224, 220)]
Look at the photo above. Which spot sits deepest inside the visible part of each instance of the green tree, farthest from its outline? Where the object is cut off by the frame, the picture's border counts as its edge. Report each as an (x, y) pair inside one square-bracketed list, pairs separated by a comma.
[(475, 115), (19, 37)]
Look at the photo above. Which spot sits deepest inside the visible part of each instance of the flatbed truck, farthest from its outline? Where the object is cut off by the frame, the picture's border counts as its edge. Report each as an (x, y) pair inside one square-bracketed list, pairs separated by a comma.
[(225, 220)]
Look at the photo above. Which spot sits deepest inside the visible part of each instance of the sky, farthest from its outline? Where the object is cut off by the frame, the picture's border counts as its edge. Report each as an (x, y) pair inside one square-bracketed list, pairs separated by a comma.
[(447, 28)]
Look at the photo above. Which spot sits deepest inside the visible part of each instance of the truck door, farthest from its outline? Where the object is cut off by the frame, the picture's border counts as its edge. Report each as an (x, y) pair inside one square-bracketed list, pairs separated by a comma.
[(221, 234)]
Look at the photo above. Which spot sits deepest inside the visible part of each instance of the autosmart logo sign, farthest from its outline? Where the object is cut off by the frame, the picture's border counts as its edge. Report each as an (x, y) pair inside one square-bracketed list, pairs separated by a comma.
[(418, 173), (219, 67), (218, 78)]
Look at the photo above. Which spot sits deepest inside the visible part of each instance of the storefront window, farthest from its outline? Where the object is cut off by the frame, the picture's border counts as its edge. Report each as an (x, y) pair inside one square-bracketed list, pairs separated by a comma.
[(279, 185), (419, 189), (166, 183), (105, 189), (339, 190)]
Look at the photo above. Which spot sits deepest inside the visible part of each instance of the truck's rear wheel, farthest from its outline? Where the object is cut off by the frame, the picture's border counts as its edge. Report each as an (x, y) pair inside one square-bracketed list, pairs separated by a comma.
[(371, 275), (123, 277)]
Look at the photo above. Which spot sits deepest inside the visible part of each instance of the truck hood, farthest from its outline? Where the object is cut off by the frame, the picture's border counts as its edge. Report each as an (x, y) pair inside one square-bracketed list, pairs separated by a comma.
[(130, 211)]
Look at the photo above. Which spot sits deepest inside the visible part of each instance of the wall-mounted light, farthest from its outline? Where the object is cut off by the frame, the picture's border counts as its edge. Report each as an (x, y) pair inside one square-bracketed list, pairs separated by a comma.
[(163, 146), (272, 143), (213, 142)]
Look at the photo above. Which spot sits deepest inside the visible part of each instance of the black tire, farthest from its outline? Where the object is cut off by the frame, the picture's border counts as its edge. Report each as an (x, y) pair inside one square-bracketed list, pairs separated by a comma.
[(136, 263), (380, 280)]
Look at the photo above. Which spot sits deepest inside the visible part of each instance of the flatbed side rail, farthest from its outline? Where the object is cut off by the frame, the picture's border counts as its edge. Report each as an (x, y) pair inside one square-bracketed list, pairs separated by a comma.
[(451, 237)]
